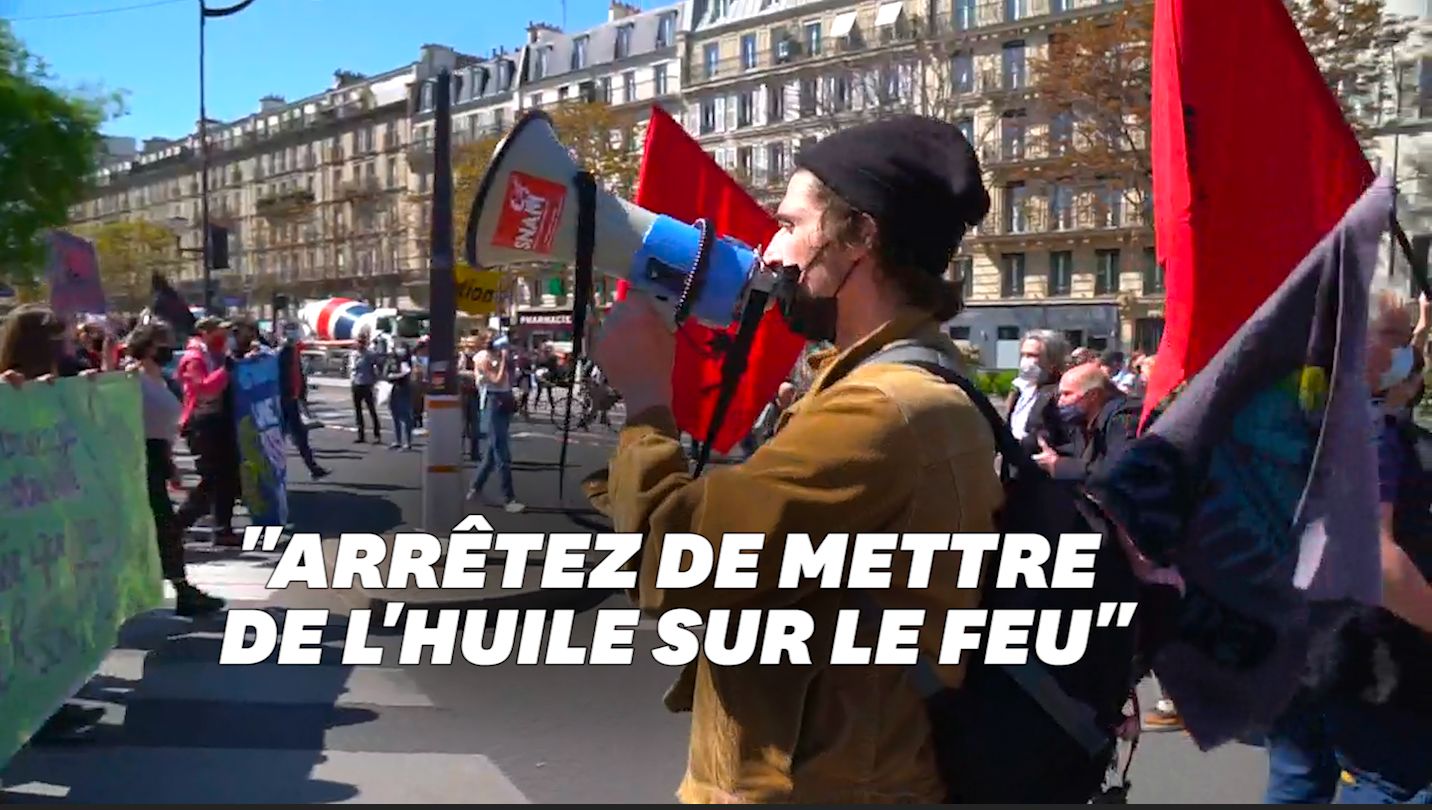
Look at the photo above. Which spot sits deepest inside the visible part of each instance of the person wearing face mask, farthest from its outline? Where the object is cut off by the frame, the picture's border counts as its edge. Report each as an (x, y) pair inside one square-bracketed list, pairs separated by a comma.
[(1102, 420), (871, 219), (208, 426), (398, 370), (1033, 414), (151, 348)]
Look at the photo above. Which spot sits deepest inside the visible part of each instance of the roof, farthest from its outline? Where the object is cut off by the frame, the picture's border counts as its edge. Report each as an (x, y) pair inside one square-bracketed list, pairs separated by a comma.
[(601, 43)]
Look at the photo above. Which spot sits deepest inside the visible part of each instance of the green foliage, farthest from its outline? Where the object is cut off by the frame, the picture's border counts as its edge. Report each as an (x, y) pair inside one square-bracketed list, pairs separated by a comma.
[(49, 143)]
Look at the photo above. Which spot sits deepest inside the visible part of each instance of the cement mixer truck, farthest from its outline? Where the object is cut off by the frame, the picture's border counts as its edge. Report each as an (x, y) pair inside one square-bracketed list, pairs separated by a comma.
[(332, 325)]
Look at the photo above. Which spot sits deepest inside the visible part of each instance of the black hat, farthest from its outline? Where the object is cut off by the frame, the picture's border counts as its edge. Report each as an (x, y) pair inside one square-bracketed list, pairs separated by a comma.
[(917, 177)]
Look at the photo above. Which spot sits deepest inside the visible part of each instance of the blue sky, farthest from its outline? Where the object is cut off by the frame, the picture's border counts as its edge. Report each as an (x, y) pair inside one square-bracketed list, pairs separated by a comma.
[(287, 47)]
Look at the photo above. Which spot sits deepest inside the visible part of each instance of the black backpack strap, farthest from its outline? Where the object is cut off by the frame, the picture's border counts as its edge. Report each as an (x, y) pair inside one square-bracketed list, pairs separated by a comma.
[(1077, 719), (943, 366)]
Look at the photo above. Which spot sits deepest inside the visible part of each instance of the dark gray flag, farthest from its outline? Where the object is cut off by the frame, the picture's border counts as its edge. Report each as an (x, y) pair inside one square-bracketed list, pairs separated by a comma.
[(1259, 484)]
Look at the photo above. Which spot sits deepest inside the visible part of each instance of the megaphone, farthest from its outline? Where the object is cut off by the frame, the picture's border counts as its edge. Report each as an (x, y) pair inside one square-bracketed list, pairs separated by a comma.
[(526, 211)]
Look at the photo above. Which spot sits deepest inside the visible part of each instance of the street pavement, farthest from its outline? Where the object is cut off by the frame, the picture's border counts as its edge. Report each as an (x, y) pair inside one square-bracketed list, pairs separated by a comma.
[(174, 726)]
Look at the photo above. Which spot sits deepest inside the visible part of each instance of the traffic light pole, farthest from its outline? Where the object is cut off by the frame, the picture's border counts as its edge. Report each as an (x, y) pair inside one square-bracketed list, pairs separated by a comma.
[(443, 490)]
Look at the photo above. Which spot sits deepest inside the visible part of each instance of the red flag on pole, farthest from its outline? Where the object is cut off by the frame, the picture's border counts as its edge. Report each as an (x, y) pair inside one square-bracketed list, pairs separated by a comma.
[(680, 180), (1253, 164)]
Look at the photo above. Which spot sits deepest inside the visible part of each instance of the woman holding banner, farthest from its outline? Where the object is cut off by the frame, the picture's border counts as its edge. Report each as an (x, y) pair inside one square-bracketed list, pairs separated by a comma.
[(152, 347)]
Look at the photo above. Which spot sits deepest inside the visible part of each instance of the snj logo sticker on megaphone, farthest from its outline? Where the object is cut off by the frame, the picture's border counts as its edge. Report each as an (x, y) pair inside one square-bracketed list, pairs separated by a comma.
[(533, 211)]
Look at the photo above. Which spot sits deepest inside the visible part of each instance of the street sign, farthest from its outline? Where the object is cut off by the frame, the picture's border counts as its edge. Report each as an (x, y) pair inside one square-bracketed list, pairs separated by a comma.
[(476, 289)]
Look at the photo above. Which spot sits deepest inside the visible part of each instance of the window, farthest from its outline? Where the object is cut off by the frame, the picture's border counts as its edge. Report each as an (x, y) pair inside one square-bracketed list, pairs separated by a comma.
[(1075, 337), (562, 93), (812, 39), (629, 86), (579, 53), (1061, 272), (708, 116), (775, 103), (959, 333), (782, 49), (1153, 273), (1106, 272), (658, 80), (838, 93), (1011, 277), (962, 73), (1011, 134), (535, 100), (711, 58), (963, 273), (666, 31), (1148, 333), (606, 90), (1060, 6), (745, 164), (1061, 132), (808, 96), (745, 108), (1012, 65), (623, 41), (748, 52), (1007, 332), (889, 85), (1016, 207), (775, 162), (967, 128), (1111, 207), (1014, 10), (539, 63), (964, 17), (806, 142), (1061, 207)]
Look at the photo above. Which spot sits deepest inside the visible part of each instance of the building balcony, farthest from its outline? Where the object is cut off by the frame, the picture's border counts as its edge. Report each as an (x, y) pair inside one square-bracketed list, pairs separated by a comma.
[(997, 16), (1041, 223), (365, 189), (285, 205), (792, 55), (420, 154)]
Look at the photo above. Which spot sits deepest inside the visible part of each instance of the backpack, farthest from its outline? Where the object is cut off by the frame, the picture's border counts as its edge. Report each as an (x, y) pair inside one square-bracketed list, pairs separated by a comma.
[(1033, 733)]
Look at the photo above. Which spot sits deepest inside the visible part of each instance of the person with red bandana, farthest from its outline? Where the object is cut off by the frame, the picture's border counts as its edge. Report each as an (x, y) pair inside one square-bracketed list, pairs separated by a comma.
[(207, 425)]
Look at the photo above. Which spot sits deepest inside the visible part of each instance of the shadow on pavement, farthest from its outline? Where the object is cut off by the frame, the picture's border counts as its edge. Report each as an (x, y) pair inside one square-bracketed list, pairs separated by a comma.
[(179, 727), (330, 512)]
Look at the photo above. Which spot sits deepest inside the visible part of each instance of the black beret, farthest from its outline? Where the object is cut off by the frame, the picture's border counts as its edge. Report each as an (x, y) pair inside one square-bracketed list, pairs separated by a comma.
[(917, 177)]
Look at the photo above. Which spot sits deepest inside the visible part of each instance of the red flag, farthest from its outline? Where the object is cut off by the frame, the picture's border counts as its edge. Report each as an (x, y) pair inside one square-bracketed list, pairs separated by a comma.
[(1253, 164), (680, 180)]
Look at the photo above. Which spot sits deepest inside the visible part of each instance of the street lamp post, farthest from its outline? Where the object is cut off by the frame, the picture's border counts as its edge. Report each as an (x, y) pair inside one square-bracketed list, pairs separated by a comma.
[(204, 233)]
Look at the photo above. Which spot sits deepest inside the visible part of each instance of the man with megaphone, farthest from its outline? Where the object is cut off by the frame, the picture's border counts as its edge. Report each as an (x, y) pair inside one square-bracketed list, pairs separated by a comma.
[(870, 222)]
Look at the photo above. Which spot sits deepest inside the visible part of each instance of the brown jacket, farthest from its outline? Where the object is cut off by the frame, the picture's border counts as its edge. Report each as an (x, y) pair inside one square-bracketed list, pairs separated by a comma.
[(887, 448)]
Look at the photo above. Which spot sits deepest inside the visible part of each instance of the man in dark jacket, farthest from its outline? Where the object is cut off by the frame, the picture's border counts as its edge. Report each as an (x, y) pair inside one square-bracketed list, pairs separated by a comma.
[(291, 386), (1102, 422)]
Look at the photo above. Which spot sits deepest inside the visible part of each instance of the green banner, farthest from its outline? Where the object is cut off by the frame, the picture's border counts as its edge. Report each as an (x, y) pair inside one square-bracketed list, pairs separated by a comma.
[(78, 556)]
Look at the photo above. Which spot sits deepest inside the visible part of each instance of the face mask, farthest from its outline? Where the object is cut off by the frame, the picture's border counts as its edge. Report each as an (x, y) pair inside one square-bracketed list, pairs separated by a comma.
[(1029, 369), (163, 355), (1401, 366), (812, 317), (1071, 414)]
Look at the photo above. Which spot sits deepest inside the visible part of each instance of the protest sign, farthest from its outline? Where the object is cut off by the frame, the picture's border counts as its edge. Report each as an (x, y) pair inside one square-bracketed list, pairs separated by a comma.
[(73, 274), (262, 463), (78, 555), (476, 289)]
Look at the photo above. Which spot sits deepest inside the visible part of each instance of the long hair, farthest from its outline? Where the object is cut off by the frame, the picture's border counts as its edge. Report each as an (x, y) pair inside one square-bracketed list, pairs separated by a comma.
[(31, 341)]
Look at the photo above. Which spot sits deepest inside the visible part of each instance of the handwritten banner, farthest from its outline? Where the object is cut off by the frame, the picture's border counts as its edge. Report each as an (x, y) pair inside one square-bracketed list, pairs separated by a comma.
[(263, 465), (78, 556), (476, 289), (73, 273)]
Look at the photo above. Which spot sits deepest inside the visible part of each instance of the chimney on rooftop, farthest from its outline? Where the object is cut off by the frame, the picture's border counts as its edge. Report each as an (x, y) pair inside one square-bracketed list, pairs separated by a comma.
[(618, 10), (534, 29)]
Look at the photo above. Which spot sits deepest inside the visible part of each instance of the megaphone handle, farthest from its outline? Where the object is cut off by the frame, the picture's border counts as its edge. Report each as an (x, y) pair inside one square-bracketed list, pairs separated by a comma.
[(733, 368), (586, 186)]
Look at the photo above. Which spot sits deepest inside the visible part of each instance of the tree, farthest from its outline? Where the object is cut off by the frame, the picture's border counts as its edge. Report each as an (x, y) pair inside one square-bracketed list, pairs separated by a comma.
[(1094, 84), (130, 252), (49, 144)]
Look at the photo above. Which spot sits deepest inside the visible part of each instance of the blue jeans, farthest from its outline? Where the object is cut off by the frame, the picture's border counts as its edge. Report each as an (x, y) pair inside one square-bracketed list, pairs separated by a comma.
[(499, 453), (474, 422), (1302, 767), (400, 405)]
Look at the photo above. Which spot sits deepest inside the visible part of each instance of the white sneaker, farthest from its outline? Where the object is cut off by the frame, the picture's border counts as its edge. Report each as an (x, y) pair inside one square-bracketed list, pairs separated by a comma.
[(514, 507)]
